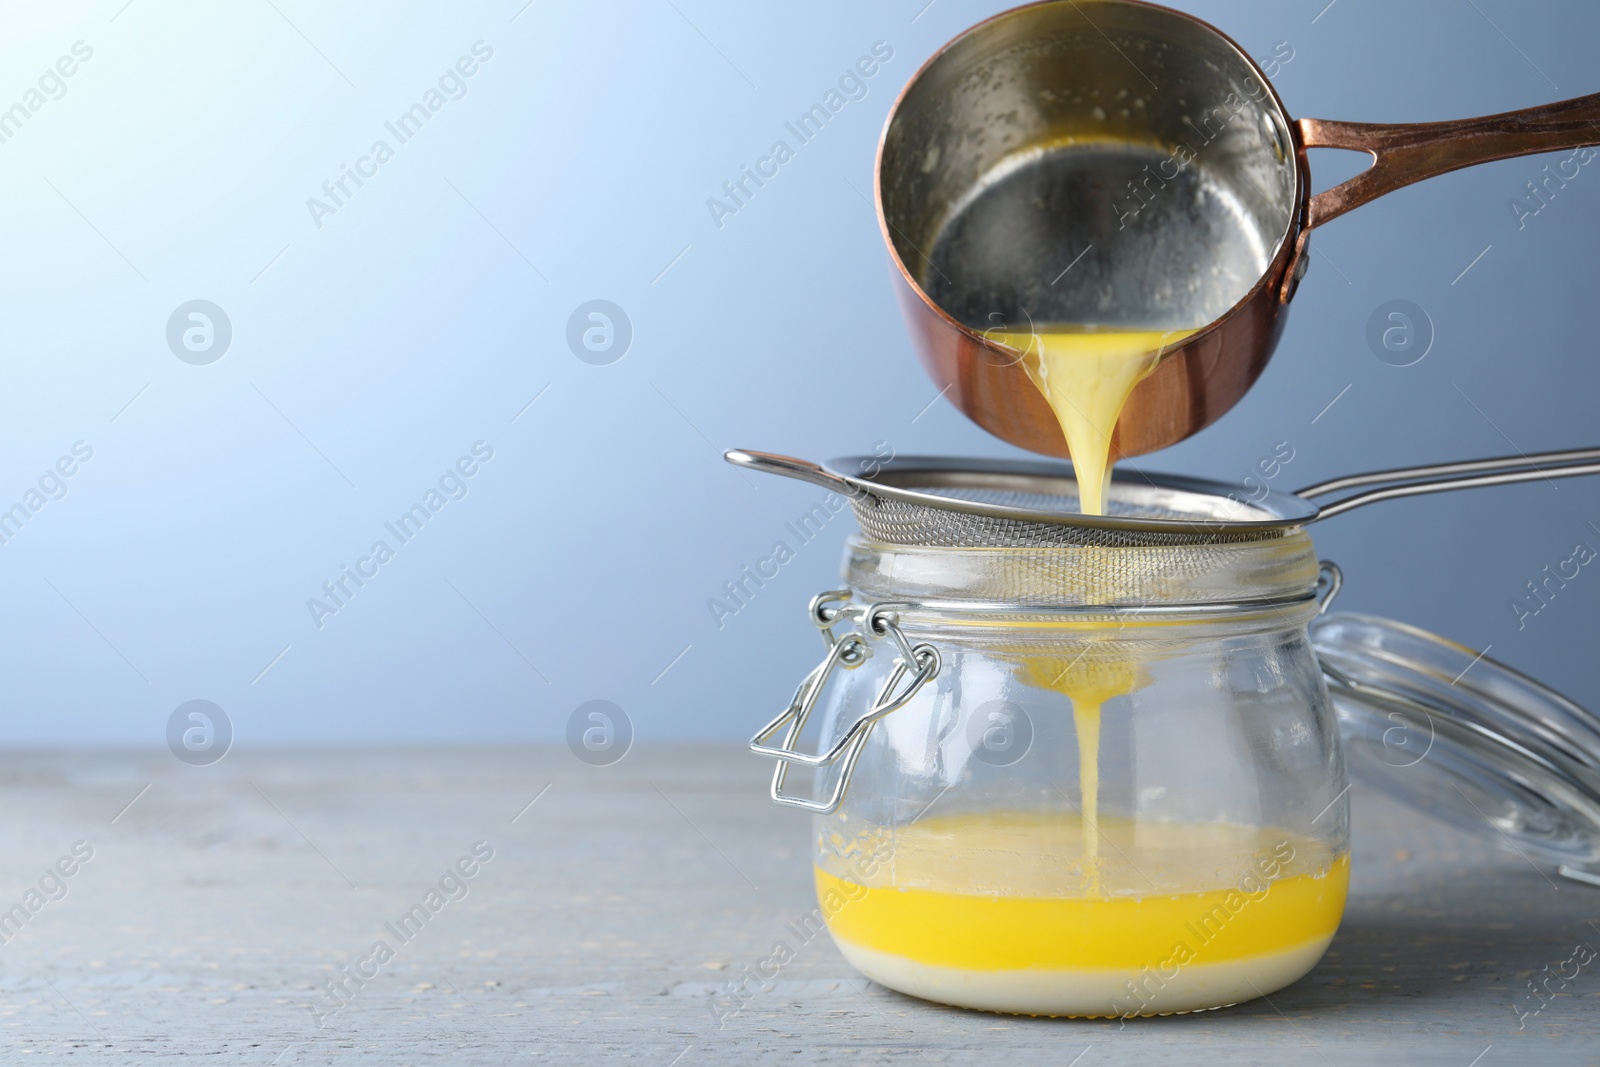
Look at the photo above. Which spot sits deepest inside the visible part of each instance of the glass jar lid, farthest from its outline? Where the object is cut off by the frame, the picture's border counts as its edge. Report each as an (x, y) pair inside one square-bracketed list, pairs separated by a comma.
[(1448, 730)]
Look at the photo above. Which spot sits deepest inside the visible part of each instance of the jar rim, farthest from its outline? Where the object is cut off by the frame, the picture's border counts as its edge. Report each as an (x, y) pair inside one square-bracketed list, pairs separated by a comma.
[(997, 610)]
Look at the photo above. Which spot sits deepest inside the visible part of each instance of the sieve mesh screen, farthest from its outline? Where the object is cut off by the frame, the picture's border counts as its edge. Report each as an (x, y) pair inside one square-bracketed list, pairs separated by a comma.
[(901, 522)]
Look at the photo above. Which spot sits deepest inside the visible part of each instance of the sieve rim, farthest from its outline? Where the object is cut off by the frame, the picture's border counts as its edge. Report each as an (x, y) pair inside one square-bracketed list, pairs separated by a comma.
[(877, 477)]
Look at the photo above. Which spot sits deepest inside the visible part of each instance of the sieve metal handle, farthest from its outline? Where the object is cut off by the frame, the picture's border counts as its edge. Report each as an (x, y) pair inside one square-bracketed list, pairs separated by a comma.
[(1444, 477), (790, 467), (848, 651)]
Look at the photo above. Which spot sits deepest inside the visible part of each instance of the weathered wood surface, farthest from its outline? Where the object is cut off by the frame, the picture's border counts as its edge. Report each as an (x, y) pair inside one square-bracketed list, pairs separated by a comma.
[(617, 909)]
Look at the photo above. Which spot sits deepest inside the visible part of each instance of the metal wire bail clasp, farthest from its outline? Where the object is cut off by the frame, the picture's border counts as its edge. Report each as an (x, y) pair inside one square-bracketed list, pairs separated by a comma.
[(878, 622)]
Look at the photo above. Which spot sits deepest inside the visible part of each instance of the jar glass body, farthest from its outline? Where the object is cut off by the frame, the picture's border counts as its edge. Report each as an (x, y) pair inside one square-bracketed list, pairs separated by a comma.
[(1091, 810)]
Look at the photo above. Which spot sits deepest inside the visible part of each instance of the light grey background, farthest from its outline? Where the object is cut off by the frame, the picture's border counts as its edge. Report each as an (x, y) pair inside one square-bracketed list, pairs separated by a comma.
[(371, 352)]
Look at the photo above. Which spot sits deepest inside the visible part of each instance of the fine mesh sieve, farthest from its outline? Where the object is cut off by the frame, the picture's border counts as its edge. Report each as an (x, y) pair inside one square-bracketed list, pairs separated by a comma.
[(984, 503), (1008, 518)]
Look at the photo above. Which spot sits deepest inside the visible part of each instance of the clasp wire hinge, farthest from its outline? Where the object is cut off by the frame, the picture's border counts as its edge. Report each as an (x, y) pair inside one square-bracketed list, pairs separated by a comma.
[(1330, 579), (878, 622)]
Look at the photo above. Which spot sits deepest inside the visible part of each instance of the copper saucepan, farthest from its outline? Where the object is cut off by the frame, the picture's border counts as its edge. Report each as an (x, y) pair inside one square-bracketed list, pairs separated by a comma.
[(1118, 163)]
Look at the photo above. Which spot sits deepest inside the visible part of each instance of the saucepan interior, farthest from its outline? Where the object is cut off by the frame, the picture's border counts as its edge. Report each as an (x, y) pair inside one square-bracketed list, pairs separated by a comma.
[(1088, 161)]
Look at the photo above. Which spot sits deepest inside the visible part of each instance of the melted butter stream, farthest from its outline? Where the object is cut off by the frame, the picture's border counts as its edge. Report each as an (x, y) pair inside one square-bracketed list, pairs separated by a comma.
[(1088, 681), (1086, 374)]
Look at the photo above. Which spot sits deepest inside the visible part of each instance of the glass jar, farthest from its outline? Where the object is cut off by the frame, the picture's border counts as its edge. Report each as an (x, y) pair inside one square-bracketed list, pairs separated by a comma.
[(1079, 781)]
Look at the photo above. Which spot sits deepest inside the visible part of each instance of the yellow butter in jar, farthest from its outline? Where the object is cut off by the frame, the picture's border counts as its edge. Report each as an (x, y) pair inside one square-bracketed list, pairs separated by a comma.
[(988, 911)]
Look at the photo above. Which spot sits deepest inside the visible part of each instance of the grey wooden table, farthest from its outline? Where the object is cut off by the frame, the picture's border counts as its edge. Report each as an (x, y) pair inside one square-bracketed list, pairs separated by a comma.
[(617, 914)]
